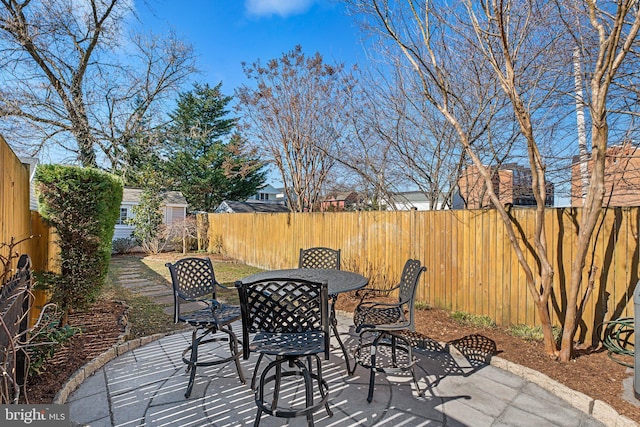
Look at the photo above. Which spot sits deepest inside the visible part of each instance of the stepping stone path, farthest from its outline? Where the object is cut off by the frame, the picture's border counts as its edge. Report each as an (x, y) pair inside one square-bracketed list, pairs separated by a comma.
[(134, 275)]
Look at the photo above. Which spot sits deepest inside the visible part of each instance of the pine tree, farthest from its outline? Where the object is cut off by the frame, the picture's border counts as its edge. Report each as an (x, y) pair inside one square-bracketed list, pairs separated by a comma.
[(201, 164)]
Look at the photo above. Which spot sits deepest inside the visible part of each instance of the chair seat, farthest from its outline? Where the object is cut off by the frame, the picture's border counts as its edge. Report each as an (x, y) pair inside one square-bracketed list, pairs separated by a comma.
[(392, 316), (225, 314), (289, 344)]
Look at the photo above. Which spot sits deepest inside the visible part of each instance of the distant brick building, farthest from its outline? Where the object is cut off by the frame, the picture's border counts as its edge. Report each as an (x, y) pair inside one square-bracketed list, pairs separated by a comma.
[(339, 201), (511, 182), (621, 177)]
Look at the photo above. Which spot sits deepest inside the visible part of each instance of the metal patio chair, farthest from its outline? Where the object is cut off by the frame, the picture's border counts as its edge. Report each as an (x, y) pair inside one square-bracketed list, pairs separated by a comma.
[(320, 257), (382, 328), (289, 321), (194, 281)]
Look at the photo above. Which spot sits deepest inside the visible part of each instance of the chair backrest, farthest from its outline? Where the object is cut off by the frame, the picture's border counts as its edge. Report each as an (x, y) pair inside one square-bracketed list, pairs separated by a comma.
[(286, 306), (192, 278), (408, 285), (320, 257)]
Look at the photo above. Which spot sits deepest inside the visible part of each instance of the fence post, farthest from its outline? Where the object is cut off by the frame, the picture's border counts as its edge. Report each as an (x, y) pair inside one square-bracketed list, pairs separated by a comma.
[(636, 348)]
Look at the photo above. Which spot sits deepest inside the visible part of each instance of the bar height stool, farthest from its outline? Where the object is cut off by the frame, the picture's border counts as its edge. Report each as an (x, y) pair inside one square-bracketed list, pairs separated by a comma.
[(289, 321), (194, 280), (382, 325)]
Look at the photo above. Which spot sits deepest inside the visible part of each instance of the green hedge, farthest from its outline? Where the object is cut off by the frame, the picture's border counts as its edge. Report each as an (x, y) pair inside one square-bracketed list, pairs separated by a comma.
[(83, 205)]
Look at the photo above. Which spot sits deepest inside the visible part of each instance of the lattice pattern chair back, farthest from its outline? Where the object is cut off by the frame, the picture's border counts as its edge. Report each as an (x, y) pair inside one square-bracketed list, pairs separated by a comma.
[(284, 306), (408, 286), (193, 278), (320, 257), (194, 283)]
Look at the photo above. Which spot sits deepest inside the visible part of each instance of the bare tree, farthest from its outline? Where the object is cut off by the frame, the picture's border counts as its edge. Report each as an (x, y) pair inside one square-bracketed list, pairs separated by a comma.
[(616, 26), (522, 44), (422, 145), (293, 116), (70, 71)]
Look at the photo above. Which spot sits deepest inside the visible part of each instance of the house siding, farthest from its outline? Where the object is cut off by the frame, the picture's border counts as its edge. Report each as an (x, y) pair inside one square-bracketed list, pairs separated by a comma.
[(171, 212)]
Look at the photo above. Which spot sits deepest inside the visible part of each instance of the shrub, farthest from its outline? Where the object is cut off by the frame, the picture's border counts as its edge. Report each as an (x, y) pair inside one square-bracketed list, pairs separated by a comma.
[(217, 244), (83, 204), (183, 234), (473, 319), (123, 245), (202, 232), (533, 333), (149, 231)]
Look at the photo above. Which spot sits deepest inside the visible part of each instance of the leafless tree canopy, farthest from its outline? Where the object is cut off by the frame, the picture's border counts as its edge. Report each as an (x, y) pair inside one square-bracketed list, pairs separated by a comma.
[(294, 116), (471, 60), (74, 78)]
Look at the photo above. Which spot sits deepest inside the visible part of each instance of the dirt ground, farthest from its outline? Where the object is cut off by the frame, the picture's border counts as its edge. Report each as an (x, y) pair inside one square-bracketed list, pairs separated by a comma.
[(592, 372), (101, 326)]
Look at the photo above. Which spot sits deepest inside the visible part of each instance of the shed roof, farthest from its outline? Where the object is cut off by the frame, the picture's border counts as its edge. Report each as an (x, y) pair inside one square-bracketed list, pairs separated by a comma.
[(132, 195), (244, 207)]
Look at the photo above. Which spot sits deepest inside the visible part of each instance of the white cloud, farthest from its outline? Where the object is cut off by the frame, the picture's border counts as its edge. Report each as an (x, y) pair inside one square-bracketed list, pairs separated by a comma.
[(283, 8)]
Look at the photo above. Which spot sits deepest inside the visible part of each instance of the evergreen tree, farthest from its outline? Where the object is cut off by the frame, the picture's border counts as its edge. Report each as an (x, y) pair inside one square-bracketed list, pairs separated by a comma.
[(147, 217), (202, 165)]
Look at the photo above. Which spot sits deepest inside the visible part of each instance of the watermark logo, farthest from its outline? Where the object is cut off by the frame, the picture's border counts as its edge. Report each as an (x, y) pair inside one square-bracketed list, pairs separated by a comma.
[(34, 415)]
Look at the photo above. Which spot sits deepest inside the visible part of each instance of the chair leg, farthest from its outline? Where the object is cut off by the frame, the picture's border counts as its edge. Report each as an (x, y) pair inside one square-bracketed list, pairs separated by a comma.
[(233, 348), (308, 376), (276, 389), (334, 326), (255, 372), (394, 344), (308, 388), (319, 375), (193, 340), (207, 336), (407, 344), (413, 371), (193, 360), (372, 369), (256, 422)]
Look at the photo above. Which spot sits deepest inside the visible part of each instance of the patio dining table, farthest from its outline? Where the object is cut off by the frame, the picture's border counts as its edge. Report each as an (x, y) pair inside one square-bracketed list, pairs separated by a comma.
[(338, 281)]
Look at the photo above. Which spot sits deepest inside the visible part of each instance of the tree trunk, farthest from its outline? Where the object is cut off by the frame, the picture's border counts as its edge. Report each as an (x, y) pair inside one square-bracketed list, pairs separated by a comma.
[(591, 213)]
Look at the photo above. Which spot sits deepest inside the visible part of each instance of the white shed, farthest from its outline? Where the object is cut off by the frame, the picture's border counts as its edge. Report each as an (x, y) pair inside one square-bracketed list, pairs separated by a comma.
[(174, 209)]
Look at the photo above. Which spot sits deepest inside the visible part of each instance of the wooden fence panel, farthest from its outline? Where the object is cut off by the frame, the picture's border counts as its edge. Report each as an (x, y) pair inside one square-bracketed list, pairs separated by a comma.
[(471, 265), (16, 218)]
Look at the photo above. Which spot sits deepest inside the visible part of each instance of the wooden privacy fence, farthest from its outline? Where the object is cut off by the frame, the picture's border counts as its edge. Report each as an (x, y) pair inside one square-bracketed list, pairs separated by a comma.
[(16, 220), (470, 264)]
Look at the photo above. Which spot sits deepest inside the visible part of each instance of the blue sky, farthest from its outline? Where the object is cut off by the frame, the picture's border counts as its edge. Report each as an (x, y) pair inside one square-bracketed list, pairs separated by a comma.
[(225, 33)]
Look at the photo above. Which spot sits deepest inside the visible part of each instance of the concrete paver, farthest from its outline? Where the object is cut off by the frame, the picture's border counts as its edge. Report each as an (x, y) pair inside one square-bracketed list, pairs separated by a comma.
[(146, 386)]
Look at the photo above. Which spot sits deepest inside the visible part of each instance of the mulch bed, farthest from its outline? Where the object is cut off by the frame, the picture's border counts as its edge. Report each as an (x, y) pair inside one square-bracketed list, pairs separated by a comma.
[(102, 325)]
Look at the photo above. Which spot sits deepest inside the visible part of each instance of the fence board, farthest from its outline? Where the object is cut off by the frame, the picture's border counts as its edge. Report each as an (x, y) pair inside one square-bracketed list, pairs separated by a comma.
[(16, 220), (471, 264)]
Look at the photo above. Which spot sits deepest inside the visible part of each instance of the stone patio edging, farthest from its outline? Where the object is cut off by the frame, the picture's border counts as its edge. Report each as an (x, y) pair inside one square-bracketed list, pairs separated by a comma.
[(91, 367), (598, 409)]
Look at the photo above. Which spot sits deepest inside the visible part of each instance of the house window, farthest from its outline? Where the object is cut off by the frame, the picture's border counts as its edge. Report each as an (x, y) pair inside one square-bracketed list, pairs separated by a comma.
[(264, 196), (123, 216)]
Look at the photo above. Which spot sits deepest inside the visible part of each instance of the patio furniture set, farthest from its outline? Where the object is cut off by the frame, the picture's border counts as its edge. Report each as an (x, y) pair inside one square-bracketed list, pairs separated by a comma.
[(287, 316)]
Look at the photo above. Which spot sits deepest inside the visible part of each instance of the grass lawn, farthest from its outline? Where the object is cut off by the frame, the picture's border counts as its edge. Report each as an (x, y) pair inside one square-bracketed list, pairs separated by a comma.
[(148, 317)]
